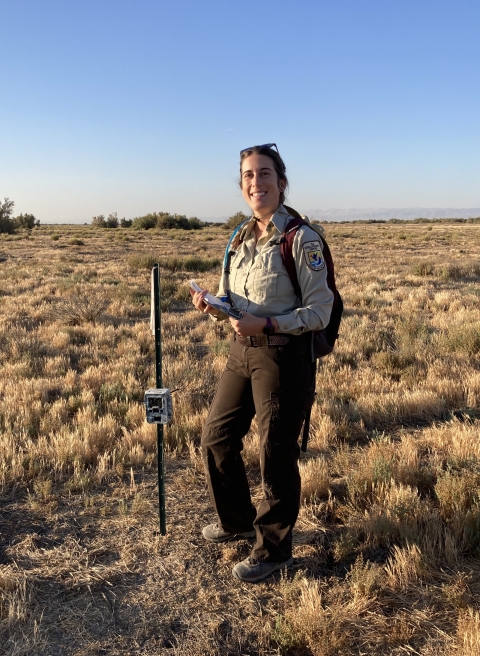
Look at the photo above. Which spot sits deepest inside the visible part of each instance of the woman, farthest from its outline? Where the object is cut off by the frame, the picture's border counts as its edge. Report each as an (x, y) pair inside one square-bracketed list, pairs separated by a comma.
[(270, 370)]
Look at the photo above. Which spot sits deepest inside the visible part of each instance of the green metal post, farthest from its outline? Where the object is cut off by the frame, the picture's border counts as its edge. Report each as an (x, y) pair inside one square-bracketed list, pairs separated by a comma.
[(158, 372)]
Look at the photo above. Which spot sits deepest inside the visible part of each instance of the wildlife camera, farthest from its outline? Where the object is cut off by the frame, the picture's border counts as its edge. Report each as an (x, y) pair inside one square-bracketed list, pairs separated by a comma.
[(158, 404)]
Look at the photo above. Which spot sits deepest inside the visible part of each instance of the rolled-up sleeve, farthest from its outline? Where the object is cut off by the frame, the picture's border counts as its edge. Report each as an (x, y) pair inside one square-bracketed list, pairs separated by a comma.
[(317, 297)]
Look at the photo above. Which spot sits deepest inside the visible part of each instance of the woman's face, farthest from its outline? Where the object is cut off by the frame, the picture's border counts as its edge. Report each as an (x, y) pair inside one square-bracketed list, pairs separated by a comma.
[(261, 187)]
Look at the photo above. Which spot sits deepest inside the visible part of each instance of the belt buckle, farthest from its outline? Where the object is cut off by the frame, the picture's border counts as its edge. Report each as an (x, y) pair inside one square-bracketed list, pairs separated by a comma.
[(261, 340)]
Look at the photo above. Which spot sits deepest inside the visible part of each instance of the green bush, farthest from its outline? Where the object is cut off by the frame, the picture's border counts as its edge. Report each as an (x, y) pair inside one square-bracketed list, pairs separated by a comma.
[(7, 224), (194, 223), (235, 220), (99, 221), (167, 221), (112, 220), (144, 222), (27, 221)]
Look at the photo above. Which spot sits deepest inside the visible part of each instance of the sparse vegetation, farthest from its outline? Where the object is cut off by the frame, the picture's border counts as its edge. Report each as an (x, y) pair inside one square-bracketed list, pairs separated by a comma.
[(10, 225), (387, 543), (167, 221)]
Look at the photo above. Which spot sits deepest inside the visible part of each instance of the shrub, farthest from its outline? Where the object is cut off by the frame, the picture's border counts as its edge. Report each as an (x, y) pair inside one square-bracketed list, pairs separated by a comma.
[(463, 338), (451, 272), (173, 221), (423, 269), (144, 222), (112, 220), (99, 221), (235, 220), (126, 223), (194, 223), (142, 261), (7, 225), (80, 308), (167, 221), (27, 221)]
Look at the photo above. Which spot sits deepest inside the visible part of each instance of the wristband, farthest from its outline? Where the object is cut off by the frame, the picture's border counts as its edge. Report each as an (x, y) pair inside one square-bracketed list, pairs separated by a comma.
[(269, 328)]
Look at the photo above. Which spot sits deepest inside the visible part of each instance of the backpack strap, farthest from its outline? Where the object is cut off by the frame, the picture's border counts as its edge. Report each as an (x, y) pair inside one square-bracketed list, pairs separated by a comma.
[(235, 239), (306, 430), (227, 256), (286, 251)]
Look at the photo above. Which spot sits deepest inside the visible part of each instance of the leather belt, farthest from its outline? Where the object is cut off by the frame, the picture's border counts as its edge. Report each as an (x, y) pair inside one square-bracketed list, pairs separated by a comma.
[(263, 341)]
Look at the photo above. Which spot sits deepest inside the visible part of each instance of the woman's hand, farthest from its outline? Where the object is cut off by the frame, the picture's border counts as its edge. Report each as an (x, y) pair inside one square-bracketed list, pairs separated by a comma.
[(249, 325), (199, 303)]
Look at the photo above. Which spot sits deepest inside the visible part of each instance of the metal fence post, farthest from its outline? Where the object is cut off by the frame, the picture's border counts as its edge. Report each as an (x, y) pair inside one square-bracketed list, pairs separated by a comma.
[(158, 373)]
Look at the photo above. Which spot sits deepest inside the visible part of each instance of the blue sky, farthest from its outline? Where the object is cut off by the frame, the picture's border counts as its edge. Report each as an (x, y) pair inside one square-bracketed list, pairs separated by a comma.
[(140, 106)]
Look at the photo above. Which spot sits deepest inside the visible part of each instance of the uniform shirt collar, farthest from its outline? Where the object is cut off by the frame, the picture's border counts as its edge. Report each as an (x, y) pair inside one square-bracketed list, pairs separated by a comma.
[(279, 221), (280, 218)]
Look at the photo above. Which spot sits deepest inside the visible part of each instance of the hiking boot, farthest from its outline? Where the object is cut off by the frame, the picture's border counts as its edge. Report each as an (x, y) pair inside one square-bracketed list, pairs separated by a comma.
[(252, 571), (215, 533)]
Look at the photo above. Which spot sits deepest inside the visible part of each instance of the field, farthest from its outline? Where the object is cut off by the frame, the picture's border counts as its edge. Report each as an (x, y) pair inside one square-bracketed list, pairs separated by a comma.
[(387, 545)]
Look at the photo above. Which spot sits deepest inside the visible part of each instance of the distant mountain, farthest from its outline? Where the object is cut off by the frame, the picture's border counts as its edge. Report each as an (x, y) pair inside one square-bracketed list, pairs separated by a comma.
[(385, 213)]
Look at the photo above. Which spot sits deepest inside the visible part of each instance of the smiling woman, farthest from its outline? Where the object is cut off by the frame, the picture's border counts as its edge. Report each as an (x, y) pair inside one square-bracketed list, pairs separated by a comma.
[(270, 168), (270, 371)]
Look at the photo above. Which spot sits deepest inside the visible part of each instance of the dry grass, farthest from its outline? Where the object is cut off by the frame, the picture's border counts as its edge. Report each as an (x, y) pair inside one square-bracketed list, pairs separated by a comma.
[(387, 543)]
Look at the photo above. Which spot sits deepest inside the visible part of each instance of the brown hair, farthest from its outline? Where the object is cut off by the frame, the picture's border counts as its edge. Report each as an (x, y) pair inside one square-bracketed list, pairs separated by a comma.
[(278, 165)]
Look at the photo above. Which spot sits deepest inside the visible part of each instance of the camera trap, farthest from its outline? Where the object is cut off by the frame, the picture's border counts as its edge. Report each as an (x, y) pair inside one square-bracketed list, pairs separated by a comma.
[(158, 405)]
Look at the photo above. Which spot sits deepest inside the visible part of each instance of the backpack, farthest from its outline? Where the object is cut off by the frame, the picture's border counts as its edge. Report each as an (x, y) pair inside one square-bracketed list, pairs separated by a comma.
[(325, 338)]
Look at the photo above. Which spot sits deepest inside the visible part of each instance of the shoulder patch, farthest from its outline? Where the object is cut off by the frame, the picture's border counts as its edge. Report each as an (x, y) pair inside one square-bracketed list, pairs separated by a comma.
[(312, 252)]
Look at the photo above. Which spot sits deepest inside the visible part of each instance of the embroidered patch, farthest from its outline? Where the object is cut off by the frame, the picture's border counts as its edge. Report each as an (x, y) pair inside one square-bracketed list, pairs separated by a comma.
[(313, 255)]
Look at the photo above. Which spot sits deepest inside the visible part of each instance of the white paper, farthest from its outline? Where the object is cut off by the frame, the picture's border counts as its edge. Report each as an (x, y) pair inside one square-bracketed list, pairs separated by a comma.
[(210, 299)]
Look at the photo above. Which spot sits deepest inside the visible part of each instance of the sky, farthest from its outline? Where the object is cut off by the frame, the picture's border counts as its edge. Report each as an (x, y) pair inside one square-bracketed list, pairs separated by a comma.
[(135, 106)]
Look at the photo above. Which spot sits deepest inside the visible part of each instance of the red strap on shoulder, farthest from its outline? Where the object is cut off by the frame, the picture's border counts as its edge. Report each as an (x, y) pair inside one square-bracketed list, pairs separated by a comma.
[(286, 251)]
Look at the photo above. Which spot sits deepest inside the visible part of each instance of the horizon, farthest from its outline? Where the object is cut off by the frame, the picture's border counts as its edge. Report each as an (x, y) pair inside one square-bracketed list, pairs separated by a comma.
[(313, 214)]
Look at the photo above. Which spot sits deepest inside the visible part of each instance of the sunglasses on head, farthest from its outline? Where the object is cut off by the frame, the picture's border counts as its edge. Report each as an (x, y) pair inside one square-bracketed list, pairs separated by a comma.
[(269, 145)]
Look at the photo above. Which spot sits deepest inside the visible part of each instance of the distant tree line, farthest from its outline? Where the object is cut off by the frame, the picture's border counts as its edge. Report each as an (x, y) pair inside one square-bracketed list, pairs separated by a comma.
[(159, 220), (165, 220), (10, 224)]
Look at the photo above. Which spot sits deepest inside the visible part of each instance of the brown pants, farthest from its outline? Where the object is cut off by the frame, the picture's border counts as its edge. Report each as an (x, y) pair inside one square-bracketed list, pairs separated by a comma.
[(276, 384)]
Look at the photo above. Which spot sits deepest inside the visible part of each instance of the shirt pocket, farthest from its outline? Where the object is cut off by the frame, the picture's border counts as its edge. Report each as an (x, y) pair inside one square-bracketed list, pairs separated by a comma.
[(271, 278)]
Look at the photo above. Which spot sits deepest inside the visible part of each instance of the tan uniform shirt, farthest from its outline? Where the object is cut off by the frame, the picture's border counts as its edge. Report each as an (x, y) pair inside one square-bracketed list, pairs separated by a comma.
[(259, 282)]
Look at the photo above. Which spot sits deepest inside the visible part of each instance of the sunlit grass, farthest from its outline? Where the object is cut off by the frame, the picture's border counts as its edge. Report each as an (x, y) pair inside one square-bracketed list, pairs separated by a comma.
[(387, 542)]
